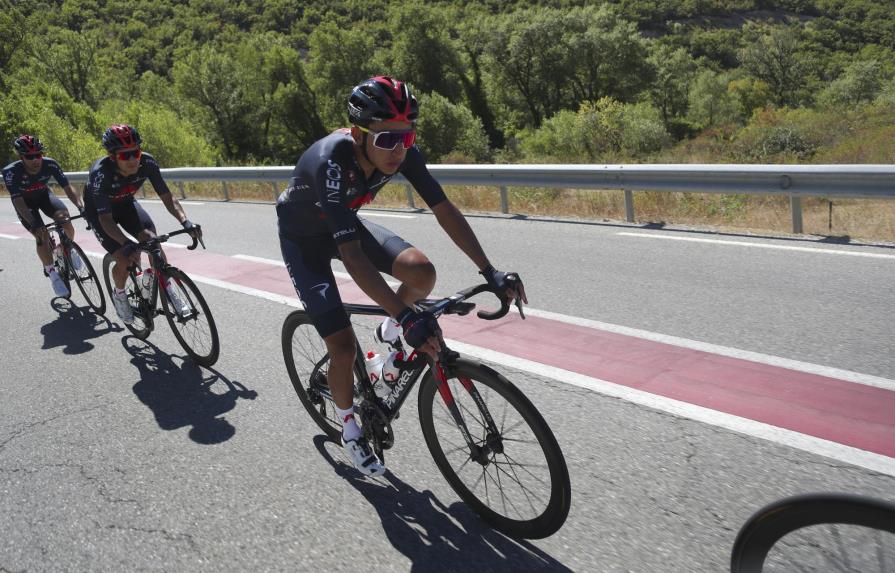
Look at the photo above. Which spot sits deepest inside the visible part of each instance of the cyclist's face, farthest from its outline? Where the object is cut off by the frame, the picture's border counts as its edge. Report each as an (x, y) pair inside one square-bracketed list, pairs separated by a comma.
[(387, 161), (127, 166), (32, 165)]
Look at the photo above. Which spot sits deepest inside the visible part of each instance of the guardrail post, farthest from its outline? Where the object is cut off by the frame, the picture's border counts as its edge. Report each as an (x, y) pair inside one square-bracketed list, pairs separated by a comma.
[(409, 189), (795, 206), (180, 187), (629, 205), (273, 188), (504, 201), (226, 191)]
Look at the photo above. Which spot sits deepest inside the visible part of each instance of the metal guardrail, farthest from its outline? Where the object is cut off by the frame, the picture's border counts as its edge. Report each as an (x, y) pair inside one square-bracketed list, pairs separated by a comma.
[(794, 181)]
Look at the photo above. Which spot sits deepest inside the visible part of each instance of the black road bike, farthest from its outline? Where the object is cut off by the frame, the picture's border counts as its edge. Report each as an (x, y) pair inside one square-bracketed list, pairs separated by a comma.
[(489, 442), (829, 532), (193, 324), (73, 265)]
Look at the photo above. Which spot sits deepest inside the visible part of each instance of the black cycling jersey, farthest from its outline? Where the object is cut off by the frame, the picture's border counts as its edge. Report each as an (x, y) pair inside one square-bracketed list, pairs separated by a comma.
[(20, 183), (107, 189), (328, 187)]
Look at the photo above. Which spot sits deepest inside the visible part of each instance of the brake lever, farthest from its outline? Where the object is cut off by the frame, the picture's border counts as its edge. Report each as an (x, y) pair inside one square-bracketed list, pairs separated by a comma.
[(519, 307)]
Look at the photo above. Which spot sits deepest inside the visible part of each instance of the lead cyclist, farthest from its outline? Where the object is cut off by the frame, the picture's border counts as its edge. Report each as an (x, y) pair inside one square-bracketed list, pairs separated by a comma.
[(317, 221)]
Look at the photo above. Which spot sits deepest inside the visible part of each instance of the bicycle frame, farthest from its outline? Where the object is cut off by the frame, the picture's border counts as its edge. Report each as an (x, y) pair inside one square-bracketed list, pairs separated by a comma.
[(158, 264), (391, 406)]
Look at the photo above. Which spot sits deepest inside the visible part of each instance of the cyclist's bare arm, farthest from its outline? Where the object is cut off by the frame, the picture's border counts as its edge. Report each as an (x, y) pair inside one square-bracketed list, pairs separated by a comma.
[(111, 228), (74, 197), (368, 278), (455, 225)]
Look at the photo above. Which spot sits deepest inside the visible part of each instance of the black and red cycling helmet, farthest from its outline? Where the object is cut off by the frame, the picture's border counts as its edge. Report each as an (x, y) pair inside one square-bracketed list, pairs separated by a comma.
[(28, 144), (121, 136), (381, 98)]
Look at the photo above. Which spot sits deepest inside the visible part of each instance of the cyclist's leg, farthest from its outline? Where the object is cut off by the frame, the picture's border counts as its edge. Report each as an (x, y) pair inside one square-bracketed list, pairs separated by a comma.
[(42, 241), (59, 213), (394, 256), (308, 261)]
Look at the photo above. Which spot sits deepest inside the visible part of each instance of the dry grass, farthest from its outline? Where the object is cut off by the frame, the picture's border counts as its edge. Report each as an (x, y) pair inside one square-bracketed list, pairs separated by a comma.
[(866, 219)]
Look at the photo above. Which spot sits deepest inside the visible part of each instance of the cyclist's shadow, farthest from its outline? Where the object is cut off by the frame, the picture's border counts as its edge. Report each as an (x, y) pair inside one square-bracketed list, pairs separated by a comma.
[(74, 327), (181, 393), (435, 537)]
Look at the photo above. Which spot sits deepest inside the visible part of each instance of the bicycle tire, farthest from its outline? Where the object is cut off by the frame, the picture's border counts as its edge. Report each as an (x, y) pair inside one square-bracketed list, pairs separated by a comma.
[(556, 510), (309, 367), (771, 523), (85, 277), (205, 356), (143, 324)]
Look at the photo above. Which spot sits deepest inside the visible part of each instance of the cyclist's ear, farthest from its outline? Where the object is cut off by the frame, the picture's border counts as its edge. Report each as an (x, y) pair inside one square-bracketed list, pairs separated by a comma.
[(357, 135)]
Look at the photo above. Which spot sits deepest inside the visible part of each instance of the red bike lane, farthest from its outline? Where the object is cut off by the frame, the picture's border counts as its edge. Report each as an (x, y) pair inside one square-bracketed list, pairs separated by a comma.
[(847, 413)]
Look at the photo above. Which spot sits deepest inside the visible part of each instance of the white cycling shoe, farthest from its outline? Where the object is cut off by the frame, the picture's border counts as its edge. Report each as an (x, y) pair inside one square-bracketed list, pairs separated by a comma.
[(363, 457), (123, 308), (58, 284)]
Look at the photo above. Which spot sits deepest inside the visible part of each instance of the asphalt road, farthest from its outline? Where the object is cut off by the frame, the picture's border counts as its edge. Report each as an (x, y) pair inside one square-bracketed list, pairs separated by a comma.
[(117, 454)]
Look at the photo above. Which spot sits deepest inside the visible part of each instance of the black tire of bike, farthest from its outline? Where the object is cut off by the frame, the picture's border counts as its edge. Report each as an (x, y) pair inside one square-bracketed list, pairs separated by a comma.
[(557, 509), (292, 322), (145, 316), (208, 359), (98, 307), (780, 518)]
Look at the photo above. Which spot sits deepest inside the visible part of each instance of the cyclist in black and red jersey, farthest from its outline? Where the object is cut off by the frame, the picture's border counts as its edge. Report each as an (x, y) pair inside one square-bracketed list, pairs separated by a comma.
[(318, 221), (109, 201), (26, 181)]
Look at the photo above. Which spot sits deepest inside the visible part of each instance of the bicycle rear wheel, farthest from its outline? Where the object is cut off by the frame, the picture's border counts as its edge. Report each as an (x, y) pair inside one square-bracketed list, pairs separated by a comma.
[(307, 362), (818, 532), (88, 282), (194, 327), (143, 323), (516, 479)]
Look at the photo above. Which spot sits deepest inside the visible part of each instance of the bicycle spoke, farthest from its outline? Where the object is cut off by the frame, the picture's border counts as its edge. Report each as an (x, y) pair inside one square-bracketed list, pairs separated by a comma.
[(524, 492), (515, 463)]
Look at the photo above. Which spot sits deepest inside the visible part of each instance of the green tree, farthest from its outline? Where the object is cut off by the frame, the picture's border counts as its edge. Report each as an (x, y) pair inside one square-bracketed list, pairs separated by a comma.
[(447, 129), (710, 101), (670, 91), (860, 82), (774, 58)]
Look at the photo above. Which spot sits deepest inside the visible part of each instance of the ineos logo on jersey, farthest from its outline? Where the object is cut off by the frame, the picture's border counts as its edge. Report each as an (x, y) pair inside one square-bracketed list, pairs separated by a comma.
[(333, 179)]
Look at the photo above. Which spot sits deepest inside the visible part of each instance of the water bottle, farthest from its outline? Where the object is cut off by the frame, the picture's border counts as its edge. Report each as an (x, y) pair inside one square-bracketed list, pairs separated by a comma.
[(390, 370), (374, 363), (144, 279)]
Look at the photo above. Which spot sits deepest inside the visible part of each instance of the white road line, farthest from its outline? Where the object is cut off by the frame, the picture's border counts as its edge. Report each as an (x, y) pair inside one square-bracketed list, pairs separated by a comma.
[(175, 245), (760, 245), (847, 454), (389, 215), (13, 237), (274, 262)]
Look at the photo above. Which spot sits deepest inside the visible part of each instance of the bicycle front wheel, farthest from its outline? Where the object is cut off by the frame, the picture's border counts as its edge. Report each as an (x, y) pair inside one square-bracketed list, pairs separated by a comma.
[(85, 276), (307, 362), (190, 318), (818, 532), (515, 478), (142, 325)]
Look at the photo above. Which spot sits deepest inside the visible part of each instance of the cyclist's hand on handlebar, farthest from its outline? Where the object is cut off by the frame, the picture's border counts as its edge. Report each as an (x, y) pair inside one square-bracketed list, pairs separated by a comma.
[(131, 252), (420, 331), (507, 283), (194, 229)]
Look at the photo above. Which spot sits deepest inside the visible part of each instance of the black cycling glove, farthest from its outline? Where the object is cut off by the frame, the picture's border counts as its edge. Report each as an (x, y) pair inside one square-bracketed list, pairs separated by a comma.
[(500, 281), (418, 326)]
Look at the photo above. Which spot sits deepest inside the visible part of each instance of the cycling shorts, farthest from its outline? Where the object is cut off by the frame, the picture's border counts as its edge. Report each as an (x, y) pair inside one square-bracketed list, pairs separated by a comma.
[(309, 262), (130, 216), (46, 202)]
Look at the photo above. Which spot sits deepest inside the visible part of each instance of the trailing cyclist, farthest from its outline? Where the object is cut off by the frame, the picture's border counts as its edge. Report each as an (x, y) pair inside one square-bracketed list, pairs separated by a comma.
[(318, 221), (109, 201), (26, 181)]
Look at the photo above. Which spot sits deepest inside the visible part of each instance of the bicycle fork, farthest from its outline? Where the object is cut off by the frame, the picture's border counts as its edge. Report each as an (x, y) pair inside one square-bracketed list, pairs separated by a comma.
[(492, 442)]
